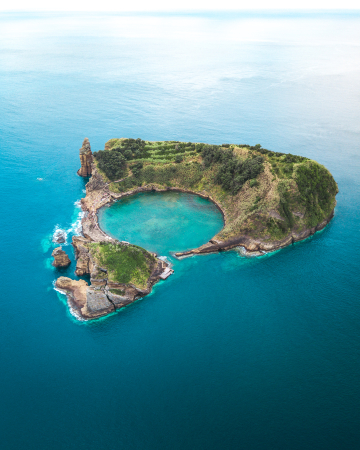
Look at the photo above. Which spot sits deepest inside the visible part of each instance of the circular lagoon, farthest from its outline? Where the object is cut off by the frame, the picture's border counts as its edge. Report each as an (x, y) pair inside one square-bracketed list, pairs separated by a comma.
[(162, 222)]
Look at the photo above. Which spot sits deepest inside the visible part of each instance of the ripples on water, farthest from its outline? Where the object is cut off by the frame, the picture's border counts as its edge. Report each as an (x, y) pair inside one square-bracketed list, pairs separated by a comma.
[(229, 352)]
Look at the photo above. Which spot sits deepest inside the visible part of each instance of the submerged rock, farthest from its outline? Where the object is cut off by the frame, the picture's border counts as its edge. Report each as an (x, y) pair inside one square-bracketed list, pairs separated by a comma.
[(61, 259), (59, 236)]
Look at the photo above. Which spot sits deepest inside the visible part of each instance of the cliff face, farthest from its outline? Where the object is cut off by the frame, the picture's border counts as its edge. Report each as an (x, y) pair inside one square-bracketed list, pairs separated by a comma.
[(61, 259), (104, 295), (86, 159), (268, 199)]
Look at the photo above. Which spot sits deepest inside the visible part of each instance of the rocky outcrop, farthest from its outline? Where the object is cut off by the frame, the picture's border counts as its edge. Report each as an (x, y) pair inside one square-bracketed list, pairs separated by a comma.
[(82, 255), (102, 296), (87, 302), (76, 292), (59, 236), (86, 159), (97, 304), (61, 259)]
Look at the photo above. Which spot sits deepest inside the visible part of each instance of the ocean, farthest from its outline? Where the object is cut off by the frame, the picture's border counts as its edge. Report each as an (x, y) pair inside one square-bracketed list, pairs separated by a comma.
[(230, 352)]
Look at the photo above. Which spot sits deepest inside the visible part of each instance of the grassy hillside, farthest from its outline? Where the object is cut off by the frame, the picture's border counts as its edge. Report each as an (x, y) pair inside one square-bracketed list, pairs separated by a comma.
[(262, 193), (126, 264)]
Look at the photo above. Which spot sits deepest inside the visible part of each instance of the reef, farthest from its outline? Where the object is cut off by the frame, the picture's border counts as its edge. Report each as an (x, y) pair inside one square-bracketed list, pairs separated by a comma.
[(61, 259)]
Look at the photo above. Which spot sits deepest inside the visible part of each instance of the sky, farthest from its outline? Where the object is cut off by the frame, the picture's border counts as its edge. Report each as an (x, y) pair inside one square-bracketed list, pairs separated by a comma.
[(174, 5)]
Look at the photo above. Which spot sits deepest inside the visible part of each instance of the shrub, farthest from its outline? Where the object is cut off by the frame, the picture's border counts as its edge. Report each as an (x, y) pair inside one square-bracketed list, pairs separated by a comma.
[(128, 154), (317, 190), (113, 164)]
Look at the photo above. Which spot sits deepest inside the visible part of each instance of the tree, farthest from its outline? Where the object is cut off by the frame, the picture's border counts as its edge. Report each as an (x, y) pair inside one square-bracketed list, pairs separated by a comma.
[(128, 154)]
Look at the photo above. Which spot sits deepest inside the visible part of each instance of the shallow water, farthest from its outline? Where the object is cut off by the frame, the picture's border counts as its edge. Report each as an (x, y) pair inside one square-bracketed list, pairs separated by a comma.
[(162, 222), (229, 352)]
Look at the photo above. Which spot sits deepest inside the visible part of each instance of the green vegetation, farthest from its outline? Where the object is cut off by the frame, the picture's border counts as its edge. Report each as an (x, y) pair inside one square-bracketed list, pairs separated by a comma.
[(233, 172), (262, 193), (111, 163), (317, 190), (124, 263)]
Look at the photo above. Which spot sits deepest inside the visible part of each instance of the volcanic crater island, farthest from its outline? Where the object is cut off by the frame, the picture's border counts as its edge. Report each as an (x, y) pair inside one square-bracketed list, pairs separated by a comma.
[(268, 200)]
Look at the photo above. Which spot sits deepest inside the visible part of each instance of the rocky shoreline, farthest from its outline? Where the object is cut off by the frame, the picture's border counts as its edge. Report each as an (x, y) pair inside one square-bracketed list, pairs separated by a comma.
[(102, 296), (98, 195)]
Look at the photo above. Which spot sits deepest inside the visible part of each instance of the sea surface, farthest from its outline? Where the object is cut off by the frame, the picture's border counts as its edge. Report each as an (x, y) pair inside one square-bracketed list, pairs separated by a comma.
[(230, 352)]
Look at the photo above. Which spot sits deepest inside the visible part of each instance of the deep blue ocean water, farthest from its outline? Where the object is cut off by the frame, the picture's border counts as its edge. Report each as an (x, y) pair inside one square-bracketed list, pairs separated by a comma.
[(230, 352)]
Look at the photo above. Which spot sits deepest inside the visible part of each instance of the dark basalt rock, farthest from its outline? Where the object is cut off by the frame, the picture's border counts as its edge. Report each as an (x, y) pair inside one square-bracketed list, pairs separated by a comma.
[(59, 237)]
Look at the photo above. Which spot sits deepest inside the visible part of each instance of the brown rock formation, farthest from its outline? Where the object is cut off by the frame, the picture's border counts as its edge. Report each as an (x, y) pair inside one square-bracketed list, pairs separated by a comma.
[(61, 259), (76, 290), (102, 296), (82, 255), (86, 159)]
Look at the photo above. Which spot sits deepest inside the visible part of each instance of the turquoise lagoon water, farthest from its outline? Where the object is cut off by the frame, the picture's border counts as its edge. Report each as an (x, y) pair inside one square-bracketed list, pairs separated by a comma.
[(230, 352), (162, 222)]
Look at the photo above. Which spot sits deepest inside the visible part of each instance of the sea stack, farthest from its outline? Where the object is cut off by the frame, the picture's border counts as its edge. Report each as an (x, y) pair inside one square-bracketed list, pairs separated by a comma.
[(86, 159), (61, 259)]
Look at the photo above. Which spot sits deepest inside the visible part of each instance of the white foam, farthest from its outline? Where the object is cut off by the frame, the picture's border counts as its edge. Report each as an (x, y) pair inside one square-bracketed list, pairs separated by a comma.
[(165, 259), (76, 227), (59, 232), (243, 252), (40, 179)]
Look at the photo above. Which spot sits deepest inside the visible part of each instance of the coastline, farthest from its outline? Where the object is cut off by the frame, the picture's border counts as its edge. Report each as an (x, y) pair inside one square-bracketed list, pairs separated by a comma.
[(98, 195), (108, 292)]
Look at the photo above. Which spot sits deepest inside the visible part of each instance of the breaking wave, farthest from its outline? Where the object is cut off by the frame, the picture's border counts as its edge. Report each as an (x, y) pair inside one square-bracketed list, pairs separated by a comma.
[(72, 311), (165, 259), (60, 235), (243, 252)]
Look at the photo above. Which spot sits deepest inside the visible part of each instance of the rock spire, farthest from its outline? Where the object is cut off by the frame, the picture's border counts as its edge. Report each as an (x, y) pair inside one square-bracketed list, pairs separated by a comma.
[(61, 259), (86, 159)]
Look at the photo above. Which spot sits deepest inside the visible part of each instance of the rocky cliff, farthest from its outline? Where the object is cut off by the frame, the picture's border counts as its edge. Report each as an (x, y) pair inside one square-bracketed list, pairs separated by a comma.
[(269, 200), (106, 292), (86, 159), (61, 259)]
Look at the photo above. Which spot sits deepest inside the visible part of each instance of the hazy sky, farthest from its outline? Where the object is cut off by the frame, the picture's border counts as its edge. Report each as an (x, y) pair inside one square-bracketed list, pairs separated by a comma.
[(175, 5)]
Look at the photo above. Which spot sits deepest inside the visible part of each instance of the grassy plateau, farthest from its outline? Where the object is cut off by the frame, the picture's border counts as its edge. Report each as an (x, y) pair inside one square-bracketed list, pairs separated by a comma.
[(263, 194)]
